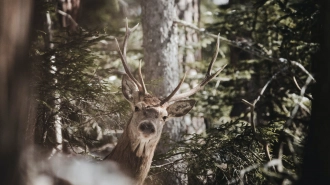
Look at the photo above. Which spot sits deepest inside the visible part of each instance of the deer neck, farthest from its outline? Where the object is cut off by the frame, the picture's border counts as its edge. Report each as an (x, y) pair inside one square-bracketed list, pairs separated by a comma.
[(133, 164)]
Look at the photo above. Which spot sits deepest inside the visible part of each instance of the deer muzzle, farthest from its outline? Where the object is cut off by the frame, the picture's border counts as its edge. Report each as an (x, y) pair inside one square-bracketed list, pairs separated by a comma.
[(147, 128)]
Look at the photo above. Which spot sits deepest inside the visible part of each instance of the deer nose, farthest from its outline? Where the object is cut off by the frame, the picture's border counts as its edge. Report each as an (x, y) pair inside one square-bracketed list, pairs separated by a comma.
[(147, 128)]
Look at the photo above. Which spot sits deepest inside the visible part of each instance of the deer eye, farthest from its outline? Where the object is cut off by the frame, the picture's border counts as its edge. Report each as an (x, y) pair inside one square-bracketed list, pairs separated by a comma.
[(136, 108), (164, 118)]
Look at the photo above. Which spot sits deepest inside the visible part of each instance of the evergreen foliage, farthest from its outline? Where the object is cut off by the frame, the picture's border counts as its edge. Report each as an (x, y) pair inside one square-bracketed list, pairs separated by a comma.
[(73, 86)]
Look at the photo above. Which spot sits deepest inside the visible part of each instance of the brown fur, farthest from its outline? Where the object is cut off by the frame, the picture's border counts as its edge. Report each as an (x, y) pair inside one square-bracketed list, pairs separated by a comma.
[(136, 147), (134, 166)]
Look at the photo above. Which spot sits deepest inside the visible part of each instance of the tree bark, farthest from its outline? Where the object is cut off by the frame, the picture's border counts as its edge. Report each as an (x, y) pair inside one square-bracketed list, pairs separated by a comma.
[(160, 48), (316, 166), (161, 63), (14, 87), (160, 52)]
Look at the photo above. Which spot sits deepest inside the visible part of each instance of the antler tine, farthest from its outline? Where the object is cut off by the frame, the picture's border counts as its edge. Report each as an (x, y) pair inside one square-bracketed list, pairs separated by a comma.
[(123, 59), (128, 33), (174, 91), (208, 77), (144, 89), (197, 88), (122, 54)]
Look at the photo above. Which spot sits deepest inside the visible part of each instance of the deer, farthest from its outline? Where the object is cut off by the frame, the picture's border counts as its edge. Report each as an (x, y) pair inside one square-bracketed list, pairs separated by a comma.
[(135, 148)]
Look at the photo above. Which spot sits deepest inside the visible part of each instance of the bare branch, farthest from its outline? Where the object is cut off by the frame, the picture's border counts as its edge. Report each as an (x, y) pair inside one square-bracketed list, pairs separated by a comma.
[(297, 105), (296, 83), (252, 107), (261, 53), (245, 170), (266, 85), (264, 168), (215, 56), (75, 24)]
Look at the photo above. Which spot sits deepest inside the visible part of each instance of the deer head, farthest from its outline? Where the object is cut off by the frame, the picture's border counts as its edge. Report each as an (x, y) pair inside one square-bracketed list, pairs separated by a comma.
[(149, 116), (135, 149)]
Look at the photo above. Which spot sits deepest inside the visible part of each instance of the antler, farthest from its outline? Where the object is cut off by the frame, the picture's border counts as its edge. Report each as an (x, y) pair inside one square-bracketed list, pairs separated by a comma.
[(122, 53), (208, 77)]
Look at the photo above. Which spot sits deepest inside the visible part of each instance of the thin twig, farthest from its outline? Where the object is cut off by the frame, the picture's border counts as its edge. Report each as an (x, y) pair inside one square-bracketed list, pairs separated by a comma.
[(166, 164), (254, 130), (280, 155), (271, 163), (266, 85), (75, 24), (297, 105), (252, 107), (245, 170), (260, 53), (289, 123), (296, 83)]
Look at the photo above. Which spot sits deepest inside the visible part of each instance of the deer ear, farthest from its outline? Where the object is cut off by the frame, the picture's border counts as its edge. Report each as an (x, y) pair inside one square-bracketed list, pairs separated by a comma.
[(180, 108), (128, 88)]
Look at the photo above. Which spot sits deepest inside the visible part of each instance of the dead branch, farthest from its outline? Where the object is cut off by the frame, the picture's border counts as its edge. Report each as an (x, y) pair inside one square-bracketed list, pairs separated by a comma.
[(252, 50), (252, 107), (75, 24)]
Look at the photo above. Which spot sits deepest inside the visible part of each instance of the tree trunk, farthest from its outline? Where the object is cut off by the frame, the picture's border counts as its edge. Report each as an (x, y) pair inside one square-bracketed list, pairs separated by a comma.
[(316, 166), (161, 63), (160, 48), (160, 42), (160, 52), (14, 87)]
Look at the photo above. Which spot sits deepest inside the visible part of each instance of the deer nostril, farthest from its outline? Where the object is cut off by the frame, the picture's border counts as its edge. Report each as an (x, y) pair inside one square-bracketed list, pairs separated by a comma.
[(147, 128)]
